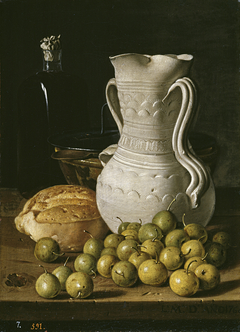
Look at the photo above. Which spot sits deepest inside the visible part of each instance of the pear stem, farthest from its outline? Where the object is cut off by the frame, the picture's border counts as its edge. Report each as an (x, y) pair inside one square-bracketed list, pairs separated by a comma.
[(139, 245), (204, 256), (183, 255), (157, 233), (78, 295), (88, 233), (44, 268), (168, 208), (94, 274), (201, 237), (66, 261), (183, 220), (154, 238), (139, 251), (120, 219), (157, 256), (62, 254), (189, 265), (120, 274)]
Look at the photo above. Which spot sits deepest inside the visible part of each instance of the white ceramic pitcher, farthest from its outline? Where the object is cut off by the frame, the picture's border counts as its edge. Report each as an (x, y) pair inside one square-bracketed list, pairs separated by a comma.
[(154, 104)]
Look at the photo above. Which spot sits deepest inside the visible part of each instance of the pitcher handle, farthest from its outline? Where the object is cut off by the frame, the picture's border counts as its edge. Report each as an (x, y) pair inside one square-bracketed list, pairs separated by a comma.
[(113, 103), (200, 177), (107, 154)]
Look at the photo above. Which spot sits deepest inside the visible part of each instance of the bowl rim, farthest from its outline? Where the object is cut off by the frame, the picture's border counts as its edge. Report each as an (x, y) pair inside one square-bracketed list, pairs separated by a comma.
[(55, 139)]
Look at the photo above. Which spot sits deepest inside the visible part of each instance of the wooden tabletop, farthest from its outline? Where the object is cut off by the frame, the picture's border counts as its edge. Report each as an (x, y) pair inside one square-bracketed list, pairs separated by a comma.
[(109, 301)]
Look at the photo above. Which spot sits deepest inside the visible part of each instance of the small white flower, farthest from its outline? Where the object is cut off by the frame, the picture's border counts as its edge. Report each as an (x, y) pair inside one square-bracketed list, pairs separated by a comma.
[(50, 43)]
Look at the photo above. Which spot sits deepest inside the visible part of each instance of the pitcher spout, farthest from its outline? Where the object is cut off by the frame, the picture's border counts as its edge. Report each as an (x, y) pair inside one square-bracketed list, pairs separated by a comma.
[(131, 67)]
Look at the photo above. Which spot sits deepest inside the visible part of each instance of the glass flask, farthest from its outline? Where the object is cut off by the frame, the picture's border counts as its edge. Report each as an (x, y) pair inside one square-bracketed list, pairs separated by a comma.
[(50, 101)]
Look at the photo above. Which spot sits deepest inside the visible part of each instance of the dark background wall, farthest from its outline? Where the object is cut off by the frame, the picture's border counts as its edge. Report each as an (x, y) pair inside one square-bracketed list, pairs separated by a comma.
[(94, 30)]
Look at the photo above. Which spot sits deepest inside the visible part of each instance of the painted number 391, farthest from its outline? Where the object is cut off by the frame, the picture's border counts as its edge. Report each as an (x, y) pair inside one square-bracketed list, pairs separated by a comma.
[(37, 326)]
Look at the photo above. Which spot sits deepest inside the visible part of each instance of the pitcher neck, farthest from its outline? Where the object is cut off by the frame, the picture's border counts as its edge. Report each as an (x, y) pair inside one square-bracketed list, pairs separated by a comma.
[(145, 159), (148, 139)]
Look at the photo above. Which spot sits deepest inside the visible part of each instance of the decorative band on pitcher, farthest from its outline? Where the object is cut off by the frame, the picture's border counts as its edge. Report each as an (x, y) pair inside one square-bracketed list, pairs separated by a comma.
[(158, 87), (149, 107), (145, 145)]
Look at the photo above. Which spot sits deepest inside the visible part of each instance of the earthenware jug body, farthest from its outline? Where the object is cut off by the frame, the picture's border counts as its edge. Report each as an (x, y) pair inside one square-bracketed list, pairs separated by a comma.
[(154, 105)]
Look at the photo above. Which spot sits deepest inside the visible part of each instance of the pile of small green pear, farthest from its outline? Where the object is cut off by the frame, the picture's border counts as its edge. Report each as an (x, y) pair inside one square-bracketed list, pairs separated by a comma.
[(152, 253), (49, 285)]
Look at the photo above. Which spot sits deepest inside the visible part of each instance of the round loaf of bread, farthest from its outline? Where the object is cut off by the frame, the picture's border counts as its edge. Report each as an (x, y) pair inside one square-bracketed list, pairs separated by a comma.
[(62, 212)]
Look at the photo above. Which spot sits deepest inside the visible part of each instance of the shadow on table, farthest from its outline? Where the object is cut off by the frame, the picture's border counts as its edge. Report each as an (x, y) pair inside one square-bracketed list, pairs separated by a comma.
[(97, 295), (222, 288)]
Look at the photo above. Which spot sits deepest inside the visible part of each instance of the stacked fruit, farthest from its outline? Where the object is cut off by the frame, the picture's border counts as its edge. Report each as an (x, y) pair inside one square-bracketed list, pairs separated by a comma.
[(152, 253)]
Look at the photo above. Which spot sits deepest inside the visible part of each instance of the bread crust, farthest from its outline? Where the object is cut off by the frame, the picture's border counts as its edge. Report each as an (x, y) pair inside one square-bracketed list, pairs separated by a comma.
[(62, 212)]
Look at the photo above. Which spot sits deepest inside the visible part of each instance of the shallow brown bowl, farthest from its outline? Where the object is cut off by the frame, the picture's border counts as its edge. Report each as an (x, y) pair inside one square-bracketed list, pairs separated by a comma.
[(83, 172), (78, 154)]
